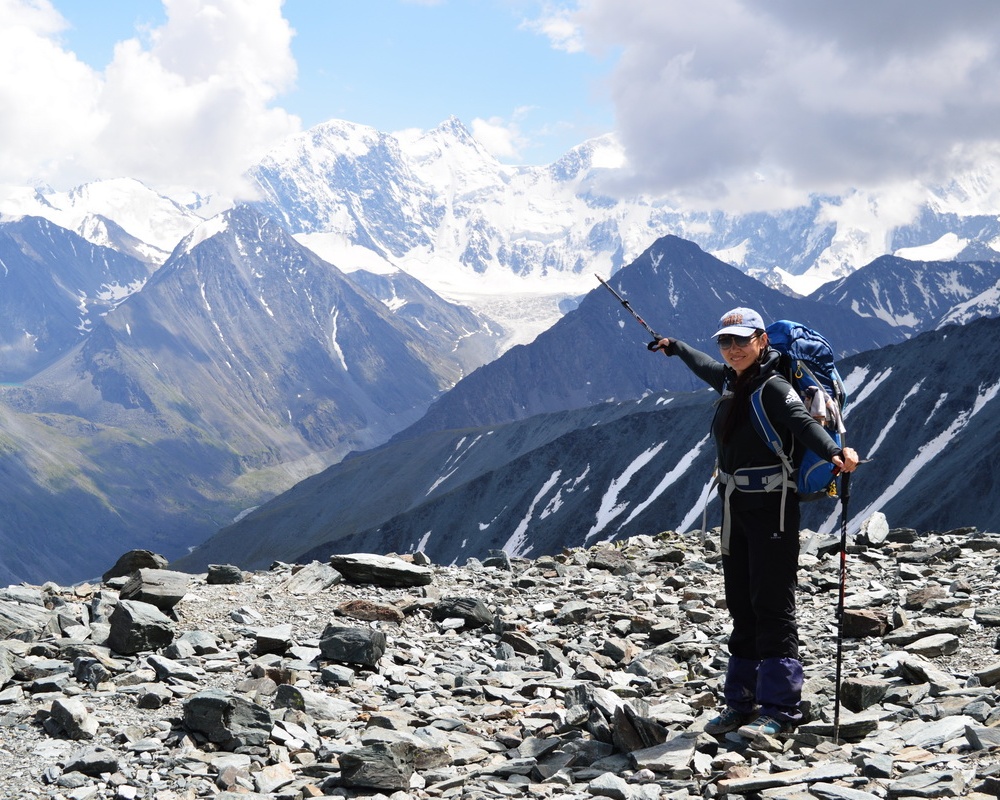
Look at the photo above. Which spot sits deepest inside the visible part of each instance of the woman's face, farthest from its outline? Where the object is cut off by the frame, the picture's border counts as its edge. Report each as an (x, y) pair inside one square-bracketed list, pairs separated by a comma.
[(739, 352)]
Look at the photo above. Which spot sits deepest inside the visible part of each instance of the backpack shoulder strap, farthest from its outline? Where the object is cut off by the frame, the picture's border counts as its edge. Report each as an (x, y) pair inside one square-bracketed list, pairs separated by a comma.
[(764, 427)]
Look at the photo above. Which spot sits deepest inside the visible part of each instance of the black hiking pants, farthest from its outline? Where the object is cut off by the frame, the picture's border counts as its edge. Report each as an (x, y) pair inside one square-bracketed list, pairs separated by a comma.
[(761, 576)]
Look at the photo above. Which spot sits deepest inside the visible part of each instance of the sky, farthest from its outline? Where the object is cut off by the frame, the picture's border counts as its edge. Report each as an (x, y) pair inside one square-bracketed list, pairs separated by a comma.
[(731, 104)]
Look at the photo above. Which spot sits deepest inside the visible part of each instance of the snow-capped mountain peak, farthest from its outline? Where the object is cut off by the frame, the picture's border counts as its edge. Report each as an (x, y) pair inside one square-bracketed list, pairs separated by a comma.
[(205, 231), (154, 222)]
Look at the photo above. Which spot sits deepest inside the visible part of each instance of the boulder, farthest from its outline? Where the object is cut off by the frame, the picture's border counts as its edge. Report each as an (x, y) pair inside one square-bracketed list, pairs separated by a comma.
[(137, 627), (349, 645), (368, 568), (162, 588), (226, 719), (133, 561)]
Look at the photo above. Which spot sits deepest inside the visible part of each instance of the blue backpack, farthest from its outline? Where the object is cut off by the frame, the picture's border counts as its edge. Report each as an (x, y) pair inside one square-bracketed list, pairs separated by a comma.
[(807, 361)]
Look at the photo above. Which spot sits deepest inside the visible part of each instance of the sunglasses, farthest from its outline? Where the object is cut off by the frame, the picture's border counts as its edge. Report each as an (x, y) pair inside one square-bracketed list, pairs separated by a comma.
[(727, 340)]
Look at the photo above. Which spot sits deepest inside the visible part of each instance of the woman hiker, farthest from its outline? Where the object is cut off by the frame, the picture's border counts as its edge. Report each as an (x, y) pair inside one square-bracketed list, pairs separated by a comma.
[(760, 530)]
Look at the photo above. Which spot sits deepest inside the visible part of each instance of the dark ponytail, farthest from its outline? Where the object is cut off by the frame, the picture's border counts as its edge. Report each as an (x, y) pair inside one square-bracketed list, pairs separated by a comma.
[(739, 404)]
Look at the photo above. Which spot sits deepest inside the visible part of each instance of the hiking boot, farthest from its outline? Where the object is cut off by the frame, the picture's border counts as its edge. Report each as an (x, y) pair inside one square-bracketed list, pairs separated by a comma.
[(764, 726), (728, 720)]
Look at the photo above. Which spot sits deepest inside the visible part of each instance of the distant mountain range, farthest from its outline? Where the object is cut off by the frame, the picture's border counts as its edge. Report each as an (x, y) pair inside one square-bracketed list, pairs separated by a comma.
[(439, 206), (56, 287), (915, 296), (596, 353), (244, 364), (164, 373), (519, 245), (923, 412)]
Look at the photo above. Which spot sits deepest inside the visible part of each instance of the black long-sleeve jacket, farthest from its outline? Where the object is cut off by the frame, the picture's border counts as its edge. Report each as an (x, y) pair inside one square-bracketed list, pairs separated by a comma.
[(744, 446)]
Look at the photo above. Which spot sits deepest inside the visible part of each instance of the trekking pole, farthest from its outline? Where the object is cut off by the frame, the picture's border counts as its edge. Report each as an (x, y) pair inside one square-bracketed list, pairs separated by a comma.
[(628, 307), (845, 495)]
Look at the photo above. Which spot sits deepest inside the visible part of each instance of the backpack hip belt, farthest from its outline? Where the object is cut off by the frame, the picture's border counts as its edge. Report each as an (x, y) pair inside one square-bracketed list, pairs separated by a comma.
[(753, 480)]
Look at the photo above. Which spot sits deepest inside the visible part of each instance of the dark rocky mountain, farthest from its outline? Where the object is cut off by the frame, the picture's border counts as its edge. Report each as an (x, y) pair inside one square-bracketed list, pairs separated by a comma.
[(253, 339), (595, 353), (452, 331), (243, 365), (923, 411), (54, 287), (911, 295)]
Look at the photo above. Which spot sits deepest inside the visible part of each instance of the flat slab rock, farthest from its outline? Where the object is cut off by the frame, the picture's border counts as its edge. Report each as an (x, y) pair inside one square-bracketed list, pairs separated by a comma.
[(378, 570)]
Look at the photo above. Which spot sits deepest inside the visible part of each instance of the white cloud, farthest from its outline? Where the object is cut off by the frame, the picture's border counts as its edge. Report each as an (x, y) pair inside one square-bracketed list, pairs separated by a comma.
[(503, 138), (49, 98), (739, 99), (559, 26), (188, 105)]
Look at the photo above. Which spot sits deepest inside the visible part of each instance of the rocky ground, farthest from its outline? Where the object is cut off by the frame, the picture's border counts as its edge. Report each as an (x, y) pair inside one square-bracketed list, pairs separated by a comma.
[(588, 674)]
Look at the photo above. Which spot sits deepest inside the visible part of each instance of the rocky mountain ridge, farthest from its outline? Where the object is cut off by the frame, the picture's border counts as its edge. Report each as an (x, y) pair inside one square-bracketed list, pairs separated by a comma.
[(590, 355), (919, 411), (166, 411), (916, 296), (56, 287), (243, 365), (585, 674), (439, 206)]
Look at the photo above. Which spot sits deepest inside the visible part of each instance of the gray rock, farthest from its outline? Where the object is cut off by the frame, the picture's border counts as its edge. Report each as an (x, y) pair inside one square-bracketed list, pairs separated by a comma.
[(162, 588), (989, 616), (809, 775), (16, 617), (938, 644), (609, 559), (154, 695), (7, 669), (72, 716), (366, 568), (349, 645), (312, 578), (609, 785), (276, 639), (927, 784), (671, 757), (223, 574), (980, 738), (137, 627), (133, 561), (925, 734), (337, 675), (861, 693), (471, 610), (874, 530), (317, 705), (833, 791), (378, 766), (272, 777), (169, 670), (574, 611), (200, 642), (226, 719), (93, 761)]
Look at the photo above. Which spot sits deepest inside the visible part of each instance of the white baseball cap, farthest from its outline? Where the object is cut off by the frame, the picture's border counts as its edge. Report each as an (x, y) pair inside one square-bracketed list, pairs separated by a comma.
[(740, 322)]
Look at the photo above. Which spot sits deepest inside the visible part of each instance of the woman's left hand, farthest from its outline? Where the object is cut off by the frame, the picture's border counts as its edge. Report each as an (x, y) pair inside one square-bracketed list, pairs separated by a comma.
[(847, 461)]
